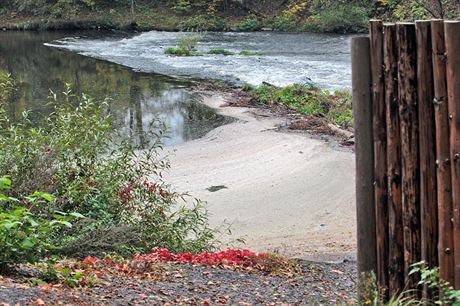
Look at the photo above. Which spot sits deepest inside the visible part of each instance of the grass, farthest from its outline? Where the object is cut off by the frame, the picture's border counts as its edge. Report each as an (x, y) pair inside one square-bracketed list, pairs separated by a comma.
[(250, 53), (186, 46), (179, 52), (309, 100), (220, 52)]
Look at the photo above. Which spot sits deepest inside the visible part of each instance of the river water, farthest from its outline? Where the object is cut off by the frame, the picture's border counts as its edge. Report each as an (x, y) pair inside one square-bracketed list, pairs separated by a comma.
[(287, 58), (135, 98), (143, 82)]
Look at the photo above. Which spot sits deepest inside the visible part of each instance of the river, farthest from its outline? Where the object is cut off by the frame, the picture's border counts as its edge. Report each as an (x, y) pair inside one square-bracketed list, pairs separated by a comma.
[(142, 82), (287, 58), (135, 98)]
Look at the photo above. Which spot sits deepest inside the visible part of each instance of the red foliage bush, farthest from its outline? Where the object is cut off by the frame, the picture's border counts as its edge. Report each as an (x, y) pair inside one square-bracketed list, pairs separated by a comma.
[(227, 257)]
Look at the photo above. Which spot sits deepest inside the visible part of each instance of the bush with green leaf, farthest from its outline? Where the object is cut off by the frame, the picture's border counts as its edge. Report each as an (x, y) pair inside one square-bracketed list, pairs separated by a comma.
[(285, 23), (312, 101), (249, 24), (76, 155), (441, 291), (25, 235), (339, 19), (204, 22), (183, 6)]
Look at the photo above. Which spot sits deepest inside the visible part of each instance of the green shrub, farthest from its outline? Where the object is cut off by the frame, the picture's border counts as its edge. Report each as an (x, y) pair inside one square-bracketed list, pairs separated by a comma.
[(26, 236), (284, 24), (204, 23), (310, 100), (314, 107), (342, 19), (443, 293), (89, 168), (183, 6), (247, 87), (220, 52), (250, 24), (264, 93)]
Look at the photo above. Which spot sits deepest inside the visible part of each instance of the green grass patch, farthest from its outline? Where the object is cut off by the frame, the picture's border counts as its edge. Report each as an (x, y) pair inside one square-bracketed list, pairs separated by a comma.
[(179, 51), (309, 100), (186, 46), (220, 52), (250, 53)]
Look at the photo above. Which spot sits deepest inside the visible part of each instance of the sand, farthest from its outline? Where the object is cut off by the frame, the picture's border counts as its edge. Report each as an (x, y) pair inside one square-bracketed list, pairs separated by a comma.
[(285, 192)]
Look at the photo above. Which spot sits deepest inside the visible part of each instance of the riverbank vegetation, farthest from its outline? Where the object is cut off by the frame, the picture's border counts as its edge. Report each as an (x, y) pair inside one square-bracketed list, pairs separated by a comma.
[(217, 15), (187, 46), (73, 185), (308, 100)]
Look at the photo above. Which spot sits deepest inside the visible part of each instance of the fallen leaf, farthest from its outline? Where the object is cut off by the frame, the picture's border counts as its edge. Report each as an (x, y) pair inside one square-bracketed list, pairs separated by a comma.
[(38, 302)]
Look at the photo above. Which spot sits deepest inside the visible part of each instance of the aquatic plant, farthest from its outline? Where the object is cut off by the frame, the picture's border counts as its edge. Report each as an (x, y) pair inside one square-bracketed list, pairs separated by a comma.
[(186, 46), (220, 52)]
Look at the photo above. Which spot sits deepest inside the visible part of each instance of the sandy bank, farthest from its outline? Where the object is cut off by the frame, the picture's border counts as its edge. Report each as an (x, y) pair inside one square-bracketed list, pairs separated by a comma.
[(285, 192)]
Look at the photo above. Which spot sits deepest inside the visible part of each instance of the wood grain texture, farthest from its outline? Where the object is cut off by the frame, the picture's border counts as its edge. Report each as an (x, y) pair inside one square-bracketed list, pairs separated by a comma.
[(427, 145), (452, 38), (380, 153), (443, 173), (362, 111), (408, 114), (395, 225)]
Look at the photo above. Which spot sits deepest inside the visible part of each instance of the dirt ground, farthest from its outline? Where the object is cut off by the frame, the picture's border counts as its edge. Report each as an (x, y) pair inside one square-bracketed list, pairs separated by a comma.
[(282, 191), (319, 284)]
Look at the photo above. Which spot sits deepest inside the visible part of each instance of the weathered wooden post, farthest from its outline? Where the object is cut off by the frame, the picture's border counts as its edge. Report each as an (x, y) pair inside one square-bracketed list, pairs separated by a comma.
[(395, 226), (380, 153), (427, 145), (408, 114), (444, 179), (362, 110), (452, 38)]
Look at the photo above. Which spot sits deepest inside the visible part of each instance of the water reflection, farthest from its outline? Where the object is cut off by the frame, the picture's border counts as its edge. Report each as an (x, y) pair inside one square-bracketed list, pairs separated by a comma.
[(136, 98)]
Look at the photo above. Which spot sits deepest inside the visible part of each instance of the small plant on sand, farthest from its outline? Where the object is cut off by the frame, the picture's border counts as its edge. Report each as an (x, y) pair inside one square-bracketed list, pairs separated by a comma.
[(311, 101)]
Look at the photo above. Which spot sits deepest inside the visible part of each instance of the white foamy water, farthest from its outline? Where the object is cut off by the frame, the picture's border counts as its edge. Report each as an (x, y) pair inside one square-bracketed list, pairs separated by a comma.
[(287, 58)]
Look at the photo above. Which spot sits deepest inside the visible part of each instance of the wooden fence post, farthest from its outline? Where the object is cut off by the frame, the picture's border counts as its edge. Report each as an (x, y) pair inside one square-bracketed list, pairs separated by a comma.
[(427, 145), (362, 110), (395, 226), (380, 153), (452, 37), (408, 115), (444, 180)]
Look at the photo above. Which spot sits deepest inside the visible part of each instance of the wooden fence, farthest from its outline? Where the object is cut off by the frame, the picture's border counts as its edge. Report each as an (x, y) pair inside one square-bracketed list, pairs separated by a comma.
[(406, 90)]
